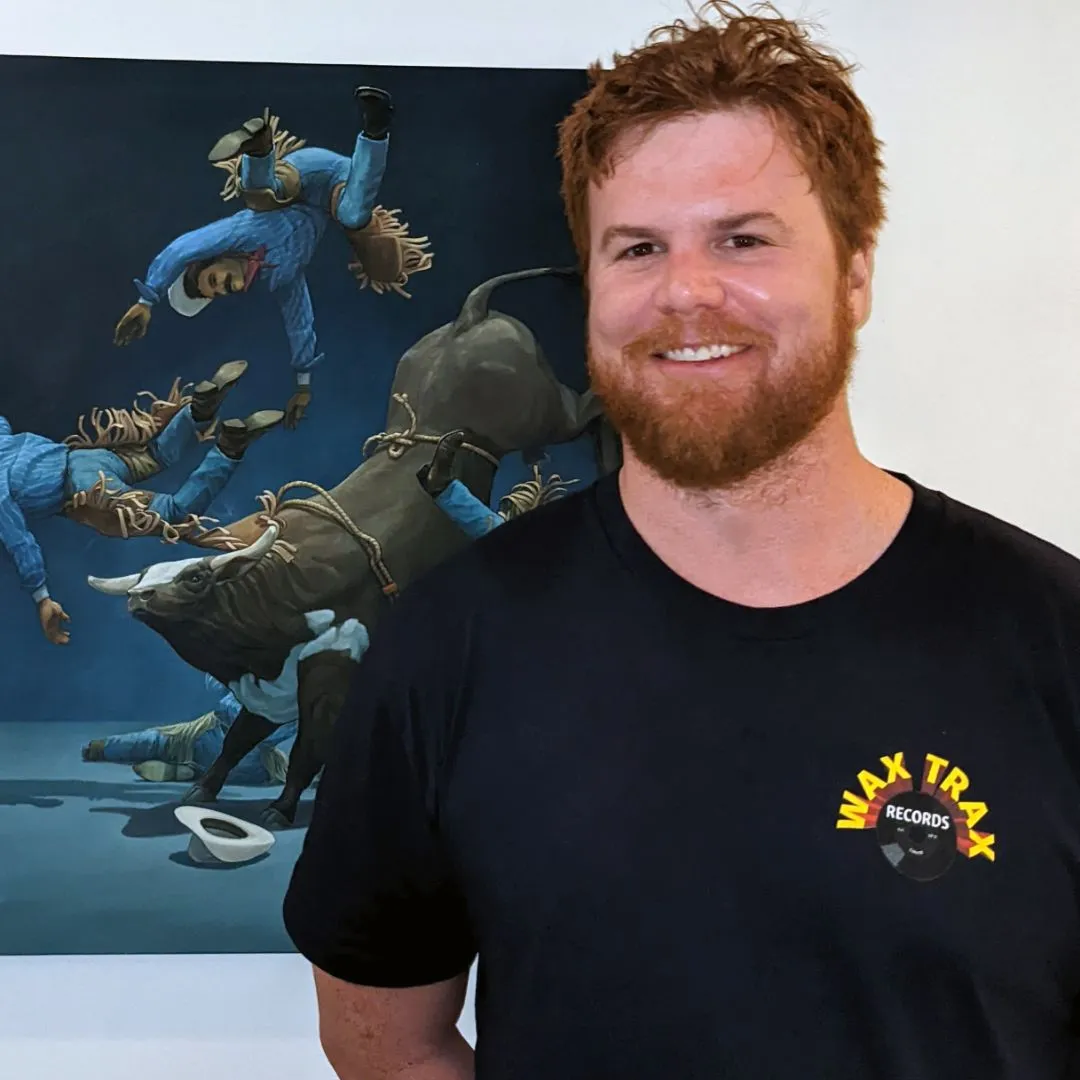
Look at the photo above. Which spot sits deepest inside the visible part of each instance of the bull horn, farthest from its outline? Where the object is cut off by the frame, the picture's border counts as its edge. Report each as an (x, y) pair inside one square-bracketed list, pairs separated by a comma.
[(253, 551), (114, 586)]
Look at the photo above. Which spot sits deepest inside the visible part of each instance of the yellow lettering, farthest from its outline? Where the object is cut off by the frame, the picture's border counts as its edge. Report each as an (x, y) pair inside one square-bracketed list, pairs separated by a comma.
[(955, 783), (853, 811), (871, 784), (981, 844), (895, 765), (975, 812), (934, 766)]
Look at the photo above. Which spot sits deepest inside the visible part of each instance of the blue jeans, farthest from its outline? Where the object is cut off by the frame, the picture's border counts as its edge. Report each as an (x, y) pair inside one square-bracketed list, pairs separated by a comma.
[(464, 508), (321, 170), (195, 494), (152, 744)]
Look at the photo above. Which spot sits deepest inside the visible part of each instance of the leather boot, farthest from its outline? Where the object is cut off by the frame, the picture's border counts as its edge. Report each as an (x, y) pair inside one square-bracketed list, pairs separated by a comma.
[(435, 477), (376, 110), (253, 137), (235, 436), (208, 395), (94, 750)]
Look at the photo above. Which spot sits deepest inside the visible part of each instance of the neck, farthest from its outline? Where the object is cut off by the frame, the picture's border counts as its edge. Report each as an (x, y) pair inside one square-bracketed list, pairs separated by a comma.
[(808, 524)]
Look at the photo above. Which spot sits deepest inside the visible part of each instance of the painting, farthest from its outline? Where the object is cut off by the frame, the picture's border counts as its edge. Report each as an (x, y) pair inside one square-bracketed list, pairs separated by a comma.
[(277, 339)]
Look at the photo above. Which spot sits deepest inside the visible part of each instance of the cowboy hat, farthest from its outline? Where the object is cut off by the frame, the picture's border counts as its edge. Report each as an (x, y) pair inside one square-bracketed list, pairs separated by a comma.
[(218, 837), (181, 302)]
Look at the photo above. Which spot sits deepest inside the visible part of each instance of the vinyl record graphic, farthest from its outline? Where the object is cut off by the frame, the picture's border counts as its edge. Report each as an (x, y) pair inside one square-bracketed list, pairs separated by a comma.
[(917, 835)]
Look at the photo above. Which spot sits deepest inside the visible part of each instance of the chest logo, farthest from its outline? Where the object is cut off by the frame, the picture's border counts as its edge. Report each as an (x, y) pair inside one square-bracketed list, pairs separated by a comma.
[(923, 824)]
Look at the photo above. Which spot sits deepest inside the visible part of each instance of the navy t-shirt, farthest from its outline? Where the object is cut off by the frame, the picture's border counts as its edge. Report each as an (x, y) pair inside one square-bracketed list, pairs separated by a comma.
[(692, 840)]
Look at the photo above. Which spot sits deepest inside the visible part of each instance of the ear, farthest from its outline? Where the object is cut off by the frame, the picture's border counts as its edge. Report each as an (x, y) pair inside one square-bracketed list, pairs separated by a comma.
[(860, 286)]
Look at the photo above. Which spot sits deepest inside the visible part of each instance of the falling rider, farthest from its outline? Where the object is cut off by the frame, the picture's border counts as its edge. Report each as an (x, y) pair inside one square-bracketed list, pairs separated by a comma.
[(291, 192), (97, 481)]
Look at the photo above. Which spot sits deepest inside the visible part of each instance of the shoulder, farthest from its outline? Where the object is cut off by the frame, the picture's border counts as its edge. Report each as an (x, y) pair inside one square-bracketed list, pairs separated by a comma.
[(1005, 559), (532, 549), (522, 562)]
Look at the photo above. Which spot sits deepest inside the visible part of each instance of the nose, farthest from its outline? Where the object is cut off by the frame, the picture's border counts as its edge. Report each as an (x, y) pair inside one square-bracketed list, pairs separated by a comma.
[(139, 597), (692, 280)]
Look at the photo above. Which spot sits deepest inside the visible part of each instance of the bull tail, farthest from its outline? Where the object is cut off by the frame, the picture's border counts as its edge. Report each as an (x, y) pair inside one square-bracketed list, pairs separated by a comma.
[(475, 308)]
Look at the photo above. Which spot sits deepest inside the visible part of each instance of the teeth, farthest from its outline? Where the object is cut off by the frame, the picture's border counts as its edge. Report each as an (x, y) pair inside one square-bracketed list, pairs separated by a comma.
[(705, 352)]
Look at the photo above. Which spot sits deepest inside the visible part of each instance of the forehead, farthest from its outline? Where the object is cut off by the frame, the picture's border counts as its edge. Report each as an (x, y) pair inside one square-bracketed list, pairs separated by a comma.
[(163, 573), (717, 163)]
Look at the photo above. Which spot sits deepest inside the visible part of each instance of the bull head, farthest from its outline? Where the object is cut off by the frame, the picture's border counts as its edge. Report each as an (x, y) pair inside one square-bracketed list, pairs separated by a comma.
[(207, 623), (168, 588)]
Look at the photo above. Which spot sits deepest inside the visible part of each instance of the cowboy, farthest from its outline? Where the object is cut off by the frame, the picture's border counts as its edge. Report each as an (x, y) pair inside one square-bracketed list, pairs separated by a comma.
[(95, 481), (291, 193), (181, 752)]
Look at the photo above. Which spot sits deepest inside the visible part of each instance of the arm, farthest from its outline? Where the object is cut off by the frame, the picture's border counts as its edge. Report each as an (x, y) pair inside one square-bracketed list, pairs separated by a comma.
[(169, 263), (299, 319), (373, 901), (21, 545), (466, 510), (228, 706), (369, 1033)]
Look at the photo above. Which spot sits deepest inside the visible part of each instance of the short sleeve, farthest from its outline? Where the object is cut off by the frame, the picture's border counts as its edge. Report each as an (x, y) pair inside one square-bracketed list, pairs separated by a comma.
[(373, 898)]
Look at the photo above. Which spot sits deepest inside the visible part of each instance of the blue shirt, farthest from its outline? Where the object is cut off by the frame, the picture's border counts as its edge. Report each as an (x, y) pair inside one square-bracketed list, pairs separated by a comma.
[(290, 237), (32, 472), (467, 511)]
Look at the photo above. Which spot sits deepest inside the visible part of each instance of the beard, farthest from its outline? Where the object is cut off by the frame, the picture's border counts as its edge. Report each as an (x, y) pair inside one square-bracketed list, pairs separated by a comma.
[(705, 435)]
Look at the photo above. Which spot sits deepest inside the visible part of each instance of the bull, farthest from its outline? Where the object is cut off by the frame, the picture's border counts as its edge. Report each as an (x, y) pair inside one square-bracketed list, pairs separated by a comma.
[(281, 613)]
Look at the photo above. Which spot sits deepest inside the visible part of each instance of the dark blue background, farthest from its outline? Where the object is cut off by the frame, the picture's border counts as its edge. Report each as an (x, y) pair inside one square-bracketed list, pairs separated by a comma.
[(104, 163)]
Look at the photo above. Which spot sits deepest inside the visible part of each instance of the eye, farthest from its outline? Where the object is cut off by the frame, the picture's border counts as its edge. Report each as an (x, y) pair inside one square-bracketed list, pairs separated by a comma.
[(645, 247), (744, 240)]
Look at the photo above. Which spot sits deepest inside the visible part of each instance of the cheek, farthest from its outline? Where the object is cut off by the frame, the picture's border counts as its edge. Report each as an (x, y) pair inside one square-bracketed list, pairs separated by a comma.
[(620, 308), (781, 306)]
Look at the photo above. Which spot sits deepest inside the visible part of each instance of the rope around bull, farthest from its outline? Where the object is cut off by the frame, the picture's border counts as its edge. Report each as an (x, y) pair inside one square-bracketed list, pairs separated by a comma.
[(334, 512), (397, 442)]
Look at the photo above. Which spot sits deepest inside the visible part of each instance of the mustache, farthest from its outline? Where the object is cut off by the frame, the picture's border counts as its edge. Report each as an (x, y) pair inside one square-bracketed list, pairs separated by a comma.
[(708, 329)]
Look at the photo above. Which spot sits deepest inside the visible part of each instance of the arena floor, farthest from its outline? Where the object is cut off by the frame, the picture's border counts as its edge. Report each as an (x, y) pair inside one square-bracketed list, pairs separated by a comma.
[(92, 859)]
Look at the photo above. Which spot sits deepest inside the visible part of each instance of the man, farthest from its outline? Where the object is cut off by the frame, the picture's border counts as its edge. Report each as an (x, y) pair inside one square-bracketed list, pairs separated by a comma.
[(467, 511), (181, 752), (272, 240), (753, 759), (100, 485)]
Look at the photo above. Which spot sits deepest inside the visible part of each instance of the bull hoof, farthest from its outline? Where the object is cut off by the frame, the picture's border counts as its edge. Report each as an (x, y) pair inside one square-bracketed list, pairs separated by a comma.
[(272, 818), (197, 794)]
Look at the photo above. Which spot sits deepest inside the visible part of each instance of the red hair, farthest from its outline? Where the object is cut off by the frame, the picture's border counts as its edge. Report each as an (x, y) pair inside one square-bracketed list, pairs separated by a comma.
[(745, 60)]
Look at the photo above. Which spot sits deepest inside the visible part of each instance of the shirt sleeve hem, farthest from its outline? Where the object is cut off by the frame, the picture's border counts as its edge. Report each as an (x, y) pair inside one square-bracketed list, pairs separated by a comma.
[(388, 975)]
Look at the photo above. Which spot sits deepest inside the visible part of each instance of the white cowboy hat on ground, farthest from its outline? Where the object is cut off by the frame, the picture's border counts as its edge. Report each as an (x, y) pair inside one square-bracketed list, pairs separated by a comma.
[(218, 837)]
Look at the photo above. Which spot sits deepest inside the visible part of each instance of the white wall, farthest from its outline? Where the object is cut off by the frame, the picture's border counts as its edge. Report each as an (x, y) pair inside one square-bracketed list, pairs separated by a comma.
[(969, 377)]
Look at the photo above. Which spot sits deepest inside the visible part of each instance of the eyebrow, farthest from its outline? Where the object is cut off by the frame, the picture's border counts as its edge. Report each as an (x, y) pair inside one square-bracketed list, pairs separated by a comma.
[(726, 224)]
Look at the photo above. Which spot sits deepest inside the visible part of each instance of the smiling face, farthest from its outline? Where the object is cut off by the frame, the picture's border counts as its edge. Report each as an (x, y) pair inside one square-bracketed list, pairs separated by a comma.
[(721, 323), (221, 278)]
